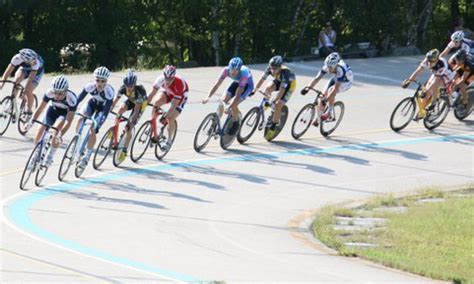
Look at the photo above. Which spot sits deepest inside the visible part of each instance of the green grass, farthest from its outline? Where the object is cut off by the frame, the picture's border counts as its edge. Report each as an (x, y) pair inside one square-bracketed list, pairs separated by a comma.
[(431, 239)]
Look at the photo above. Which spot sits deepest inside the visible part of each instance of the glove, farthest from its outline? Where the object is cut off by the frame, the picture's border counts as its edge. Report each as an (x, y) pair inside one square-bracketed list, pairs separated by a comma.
[(305, 91), (58, 139), (406, 83), (163, 120)]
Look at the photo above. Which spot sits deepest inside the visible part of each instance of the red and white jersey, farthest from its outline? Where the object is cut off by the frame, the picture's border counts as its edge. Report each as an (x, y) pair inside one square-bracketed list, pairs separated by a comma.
[(177, 90)]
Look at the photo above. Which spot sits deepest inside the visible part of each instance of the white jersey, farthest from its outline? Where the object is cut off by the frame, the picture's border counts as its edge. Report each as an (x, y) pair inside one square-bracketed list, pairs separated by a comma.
[(106, 95), (17, 61), (68, 103), (343, 72), (440, 69), (465, 45)]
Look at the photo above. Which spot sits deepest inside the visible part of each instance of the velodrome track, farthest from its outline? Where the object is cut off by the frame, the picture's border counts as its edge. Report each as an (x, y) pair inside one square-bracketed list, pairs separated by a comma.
[(236, 215)]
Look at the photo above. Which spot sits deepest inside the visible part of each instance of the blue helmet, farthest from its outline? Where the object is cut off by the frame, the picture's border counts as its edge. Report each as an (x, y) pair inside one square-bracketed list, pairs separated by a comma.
[(236, 63), (130, 78)]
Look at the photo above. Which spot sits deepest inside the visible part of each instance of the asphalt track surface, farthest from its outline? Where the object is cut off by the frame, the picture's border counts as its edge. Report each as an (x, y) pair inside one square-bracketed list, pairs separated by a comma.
[(236, 215)]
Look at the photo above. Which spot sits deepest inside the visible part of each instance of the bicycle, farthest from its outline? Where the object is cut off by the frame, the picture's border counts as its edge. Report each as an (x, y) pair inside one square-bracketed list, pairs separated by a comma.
[(255, 119), (37, 160), (142, 140), (307, 114), (211, 127), (461, 111), (74, 154), (110, 142), (436, 111), (9, 111)]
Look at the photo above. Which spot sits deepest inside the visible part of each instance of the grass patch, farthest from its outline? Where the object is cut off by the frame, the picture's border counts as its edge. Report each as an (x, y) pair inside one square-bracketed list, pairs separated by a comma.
[(431, 239)]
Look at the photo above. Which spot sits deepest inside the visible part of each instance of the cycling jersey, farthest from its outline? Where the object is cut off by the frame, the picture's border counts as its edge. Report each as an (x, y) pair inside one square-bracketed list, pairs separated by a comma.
[(17, 61), (69, 103), (285, 78), (177, 90), (138, 96), (101, 97), (465, 45), (99, 104), (343, 72), (466, 67), (440, 69), (243, 77)]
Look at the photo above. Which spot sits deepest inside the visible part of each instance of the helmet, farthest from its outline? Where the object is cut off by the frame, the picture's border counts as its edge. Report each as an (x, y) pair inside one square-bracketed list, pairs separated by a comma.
[(169, 71), (457, 36), (102, 72), (60, 83), (432, 55), (460, 55), (130, 78), (332, 59), (27, 54), (276, 61), (235, 63)]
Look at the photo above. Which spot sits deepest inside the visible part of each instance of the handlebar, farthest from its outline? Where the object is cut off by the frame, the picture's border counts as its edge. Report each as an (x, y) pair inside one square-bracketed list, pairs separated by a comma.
[(47, 125), (121, 117)]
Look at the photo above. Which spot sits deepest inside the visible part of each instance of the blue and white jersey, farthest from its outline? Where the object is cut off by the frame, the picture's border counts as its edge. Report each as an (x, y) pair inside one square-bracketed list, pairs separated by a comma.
[(17, 61), (69, 103), (343, 72), (242, 77), (102, 97)]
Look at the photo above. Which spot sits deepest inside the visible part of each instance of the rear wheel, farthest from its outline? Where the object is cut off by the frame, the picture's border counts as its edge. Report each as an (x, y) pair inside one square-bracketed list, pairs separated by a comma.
[(227, 138), (328, 126), (269, 135), (141, 142), (402, 114), (303, 121), (249, 125), (31, 166), (205, 131), (437, 113), (161, 148), (118, 158), (103, 149), (6, 111)]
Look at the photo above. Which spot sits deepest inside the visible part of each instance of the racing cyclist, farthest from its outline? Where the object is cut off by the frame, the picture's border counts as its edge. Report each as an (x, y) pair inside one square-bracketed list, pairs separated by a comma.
[(284, 82), (239, 89), (464, 75), (458, 42), (340, 82)]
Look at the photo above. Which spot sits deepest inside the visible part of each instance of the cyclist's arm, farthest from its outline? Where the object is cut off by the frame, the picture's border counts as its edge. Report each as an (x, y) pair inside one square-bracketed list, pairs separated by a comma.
[(415, 74), (117, 98), (152, 94), (81, 96), (445, 51), (69, 119), (215, 87), (8, 71), (40, 109), (316, 79), (260, 82)]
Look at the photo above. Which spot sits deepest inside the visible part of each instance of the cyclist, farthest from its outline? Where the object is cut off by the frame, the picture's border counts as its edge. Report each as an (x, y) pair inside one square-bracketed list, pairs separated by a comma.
[(284, 82), (340, 82), (62, 107), (441, 75), (240, 89), (464, 76), (31, 68), (458, 42), (172, 88), (136, 101), (97, 106)]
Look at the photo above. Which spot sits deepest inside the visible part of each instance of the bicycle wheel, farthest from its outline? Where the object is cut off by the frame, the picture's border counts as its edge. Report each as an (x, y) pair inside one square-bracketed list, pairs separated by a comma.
[(462, 111), (68, 157), (31, 166), (23, 118), (437, 113), (41, 173), (228, 138), (328, 126), (103, 149), (6, 113), (116, 157), (161, 149), (249, 125), (205, 131), (303, 121), (403, 114), (141, 142), (270, 135)]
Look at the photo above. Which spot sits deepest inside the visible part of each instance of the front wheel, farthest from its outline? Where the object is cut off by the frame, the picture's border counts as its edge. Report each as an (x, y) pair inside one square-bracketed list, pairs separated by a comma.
[(303, 121), (141, 142), (31, 166), (103, 149), (328, 126), (249, 125), (403, 114), (164, 144), (6, 113), (205, 131)]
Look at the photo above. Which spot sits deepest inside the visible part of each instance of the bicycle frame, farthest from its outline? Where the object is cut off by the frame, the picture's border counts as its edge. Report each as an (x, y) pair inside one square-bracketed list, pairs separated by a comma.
[(79, 150), (118, 120), (44, 147)]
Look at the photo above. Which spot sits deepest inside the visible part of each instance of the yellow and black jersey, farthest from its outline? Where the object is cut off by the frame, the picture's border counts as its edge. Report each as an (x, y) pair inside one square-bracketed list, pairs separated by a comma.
[(286, 78), (138, 96)]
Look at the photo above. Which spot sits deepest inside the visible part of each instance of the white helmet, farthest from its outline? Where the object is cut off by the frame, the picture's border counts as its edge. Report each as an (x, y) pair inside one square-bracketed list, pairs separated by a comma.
[(102, 72), (60, 84), (27, 54), (332, 59), (457, 36)]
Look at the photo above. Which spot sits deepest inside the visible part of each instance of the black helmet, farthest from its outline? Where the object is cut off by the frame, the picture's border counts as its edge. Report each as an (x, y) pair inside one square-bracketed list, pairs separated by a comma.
[(276, 61), (460, 56)]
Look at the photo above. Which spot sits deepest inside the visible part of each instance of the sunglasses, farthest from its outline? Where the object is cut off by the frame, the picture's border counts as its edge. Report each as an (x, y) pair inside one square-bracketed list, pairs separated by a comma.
[(59, 94), (100, 80)]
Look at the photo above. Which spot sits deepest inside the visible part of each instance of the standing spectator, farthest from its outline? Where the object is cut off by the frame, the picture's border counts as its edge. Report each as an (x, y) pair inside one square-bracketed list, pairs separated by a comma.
[(459, 26), (327, 39)]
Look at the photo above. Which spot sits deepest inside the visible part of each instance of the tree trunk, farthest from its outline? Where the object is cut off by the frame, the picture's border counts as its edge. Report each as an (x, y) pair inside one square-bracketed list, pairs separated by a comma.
[(305, 25), (455, 9), (423, 22)]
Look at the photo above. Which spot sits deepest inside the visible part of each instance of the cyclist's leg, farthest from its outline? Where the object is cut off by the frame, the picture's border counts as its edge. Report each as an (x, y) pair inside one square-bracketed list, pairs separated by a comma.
[(174, 116), (128, 105), (163, 98), (226, 97), (20, 75)]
